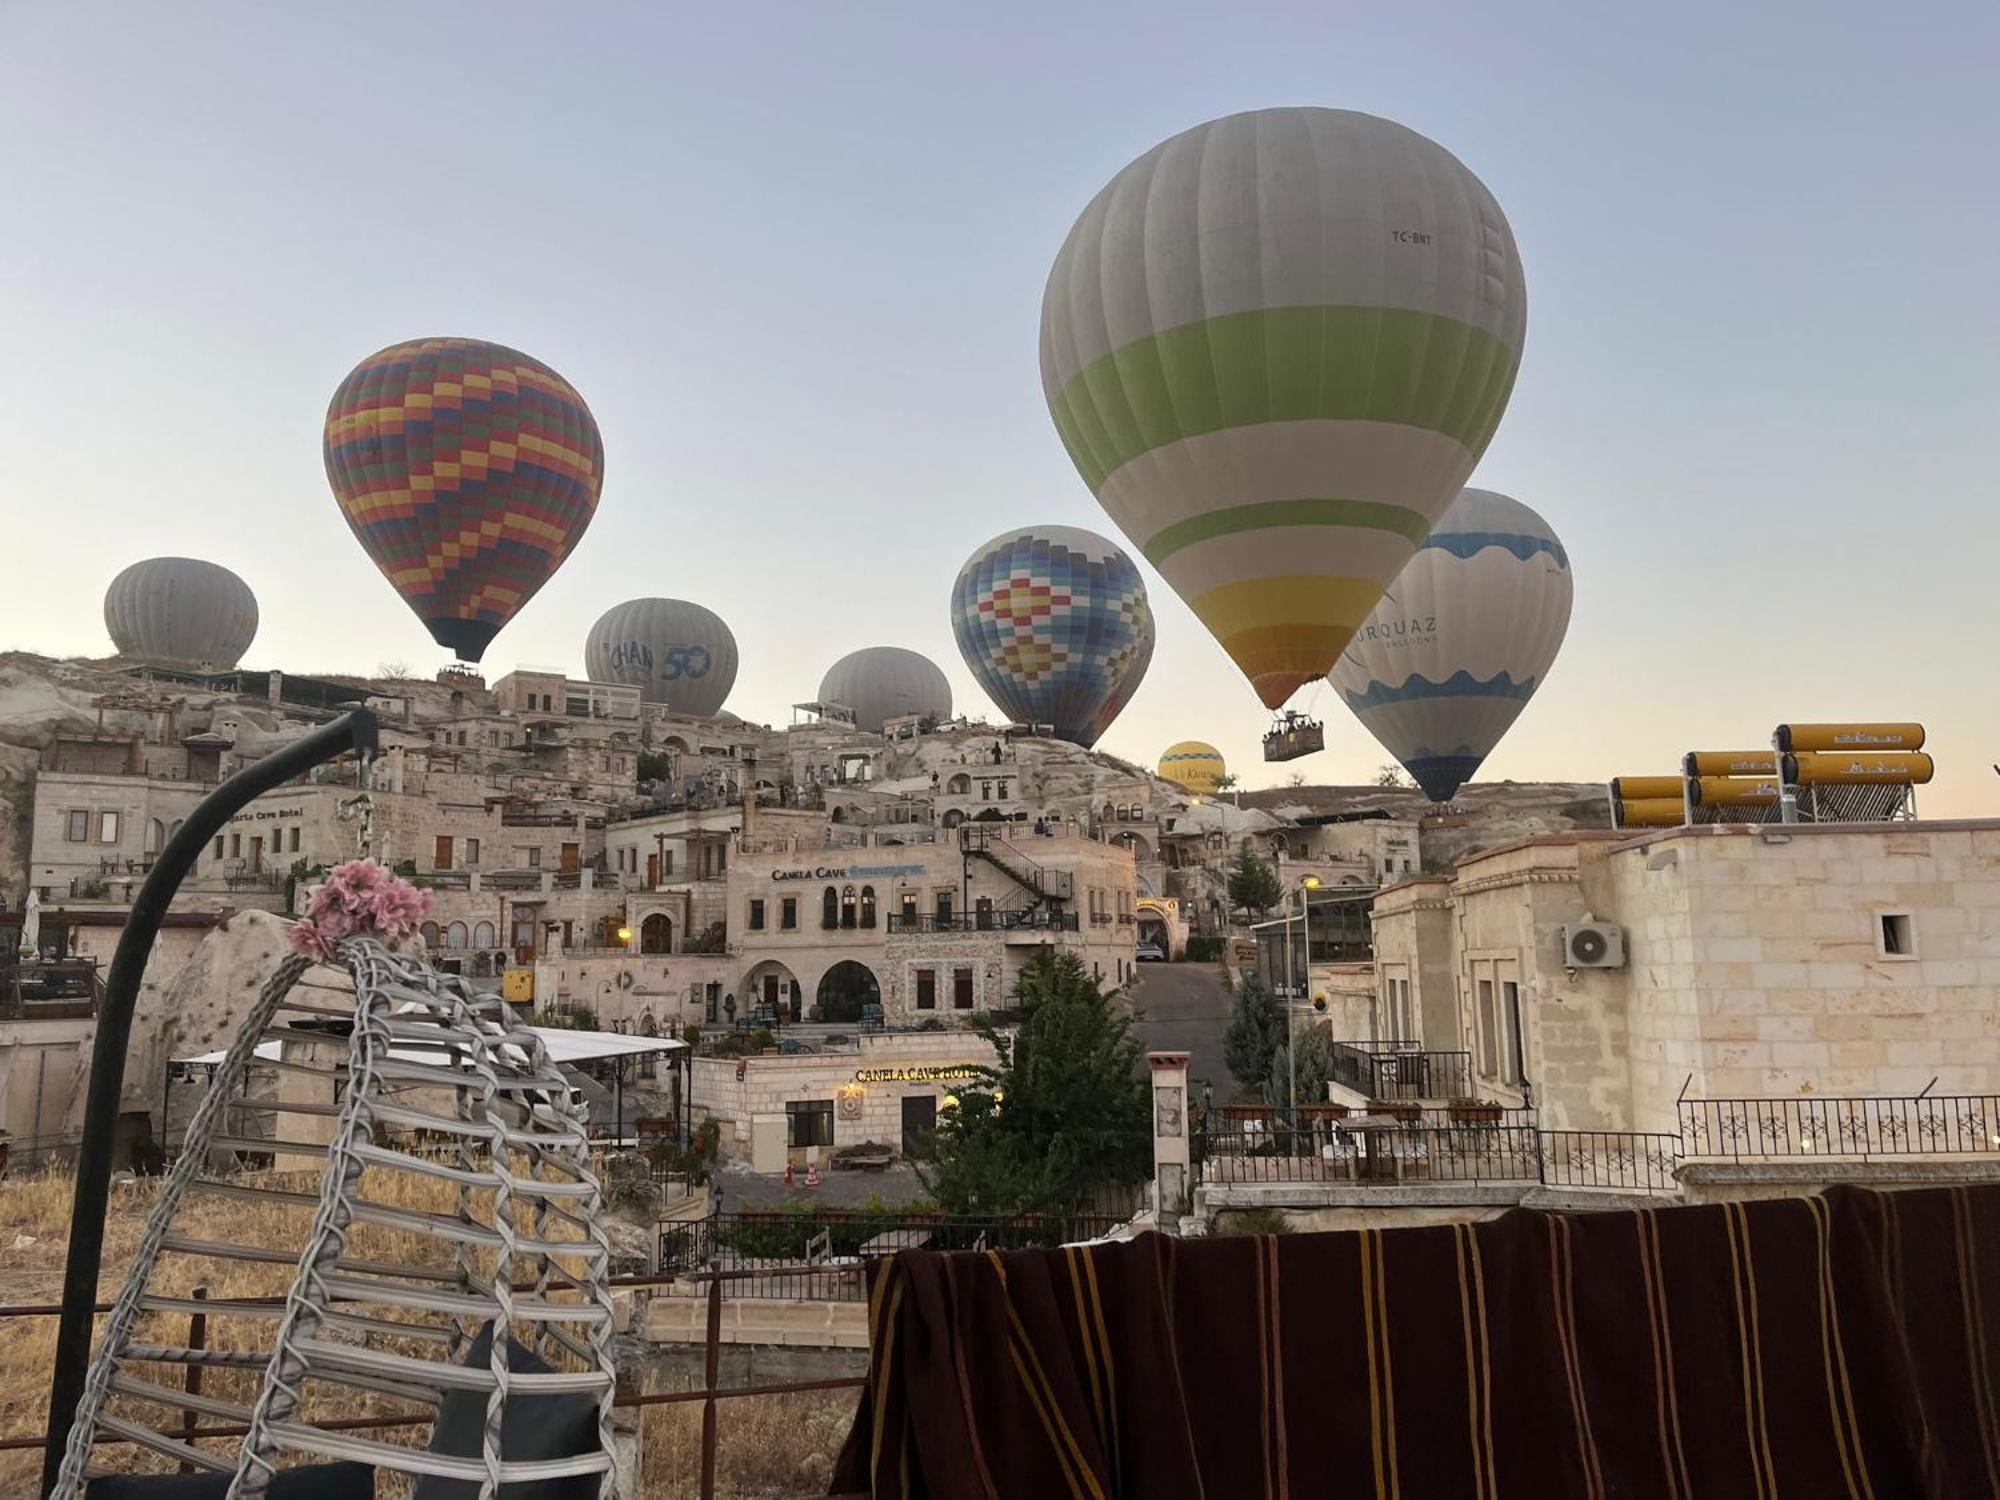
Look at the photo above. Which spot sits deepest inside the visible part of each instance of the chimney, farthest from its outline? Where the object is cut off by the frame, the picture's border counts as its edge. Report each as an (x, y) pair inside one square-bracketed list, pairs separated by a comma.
[(749, 800), (275, 693)]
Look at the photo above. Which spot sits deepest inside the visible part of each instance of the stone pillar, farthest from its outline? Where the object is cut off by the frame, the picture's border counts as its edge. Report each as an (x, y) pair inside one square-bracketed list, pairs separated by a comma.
[(1170, 1133)]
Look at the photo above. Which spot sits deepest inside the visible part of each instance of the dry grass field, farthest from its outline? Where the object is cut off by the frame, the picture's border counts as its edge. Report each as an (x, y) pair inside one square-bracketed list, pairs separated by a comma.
[(769, 1446)]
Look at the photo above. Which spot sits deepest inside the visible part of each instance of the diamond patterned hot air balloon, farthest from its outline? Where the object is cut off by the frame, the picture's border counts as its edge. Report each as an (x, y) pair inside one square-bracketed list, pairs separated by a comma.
[(468, 471), (1054, 623)]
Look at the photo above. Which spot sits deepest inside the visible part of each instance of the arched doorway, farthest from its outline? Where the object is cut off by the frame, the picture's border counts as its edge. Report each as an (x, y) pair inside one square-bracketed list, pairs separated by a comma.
[(656, 934), (772, 993), (845, 989)]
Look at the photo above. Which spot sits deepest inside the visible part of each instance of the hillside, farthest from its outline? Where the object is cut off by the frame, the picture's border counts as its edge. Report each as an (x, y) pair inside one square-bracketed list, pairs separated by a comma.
[(1484, 815)]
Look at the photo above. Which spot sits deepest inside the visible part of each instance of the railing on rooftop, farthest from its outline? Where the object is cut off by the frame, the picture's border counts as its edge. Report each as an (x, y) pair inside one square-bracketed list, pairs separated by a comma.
[(1402, 1070), (1329, 1147), (1849, 1127), (840, 1244)]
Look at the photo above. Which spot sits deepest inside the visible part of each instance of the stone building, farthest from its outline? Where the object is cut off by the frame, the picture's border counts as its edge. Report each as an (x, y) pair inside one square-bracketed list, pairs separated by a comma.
[(1805, 962)]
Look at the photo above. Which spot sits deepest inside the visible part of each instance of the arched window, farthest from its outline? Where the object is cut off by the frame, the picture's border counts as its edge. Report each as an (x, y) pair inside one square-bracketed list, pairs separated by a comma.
[(847, 907), (868, 906), (958, 786), (156, 836), (829, 908), (1110, 813), (482, 934), (454, 935), (430, 931), (656, 934)]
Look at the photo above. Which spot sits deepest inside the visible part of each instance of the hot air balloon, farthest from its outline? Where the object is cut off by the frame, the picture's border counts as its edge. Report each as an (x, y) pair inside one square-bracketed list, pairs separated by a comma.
[(1194, 766), (1275, 345), (181, 610), (679, 653), (1461, 640), (886, 682), (1054, 623), (469, 471)]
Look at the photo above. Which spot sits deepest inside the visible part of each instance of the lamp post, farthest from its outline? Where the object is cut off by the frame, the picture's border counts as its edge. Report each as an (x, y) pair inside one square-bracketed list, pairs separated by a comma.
[(1306, 888)]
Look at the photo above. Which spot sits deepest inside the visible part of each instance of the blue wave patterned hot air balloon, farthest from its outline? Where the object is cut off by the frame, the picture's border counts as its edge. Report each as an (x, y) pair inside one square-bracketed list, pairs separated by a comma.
[(1053, 621), (1461, 640)]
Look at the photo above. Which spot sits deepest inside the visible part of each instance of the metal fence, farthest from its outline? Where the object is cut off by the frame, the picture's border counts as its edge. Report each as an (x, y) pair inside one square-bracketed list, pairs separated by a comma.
[(824, 1257), (1502, 1151), (1850, 1127), (1402, 1070)]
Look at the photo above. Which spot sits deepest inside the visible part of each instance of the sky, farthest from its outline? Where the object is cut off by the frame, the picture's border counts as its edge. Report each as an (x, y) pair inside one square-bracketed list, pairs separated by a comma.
[(793, 257)]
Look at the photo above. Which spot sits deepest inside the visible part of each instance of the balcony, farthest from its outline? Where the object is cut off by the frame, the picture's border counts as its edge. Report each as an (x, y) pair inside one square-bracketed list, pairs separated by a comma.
[(1030, 920), (1402, 1070), (1850, 1128), (1332, 1147)]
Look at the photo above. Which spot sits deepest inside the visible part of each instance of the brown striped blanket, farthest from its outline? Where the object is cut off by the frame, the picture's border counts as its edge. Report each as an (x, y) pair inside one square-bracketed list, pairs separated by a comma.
[(1838, 1346)]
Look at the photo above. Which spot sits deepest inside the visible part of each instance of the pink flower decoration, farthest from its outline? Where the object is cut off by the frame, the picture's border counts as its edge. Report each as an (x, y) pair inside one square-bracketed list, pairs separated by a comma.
[(360, 898)]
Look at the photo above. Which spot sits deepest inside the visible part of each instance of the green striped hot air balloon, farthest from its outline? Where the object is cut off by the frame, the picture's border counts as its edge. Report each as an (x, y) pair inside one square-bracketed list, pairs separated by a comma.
[(1275, 346)]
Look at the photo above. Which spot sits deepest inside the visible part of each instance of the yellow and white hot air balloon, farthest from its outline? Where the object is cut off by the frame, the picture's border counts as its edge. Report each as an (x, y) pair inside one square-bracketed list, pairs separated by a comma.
[(1193, 765), (1275, 346)]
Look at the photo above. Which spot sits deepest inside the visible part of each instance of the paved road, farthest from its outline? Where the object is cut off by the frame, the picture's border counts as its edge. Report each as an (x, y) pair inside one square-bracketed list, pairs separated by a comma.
[(1185, 1009)]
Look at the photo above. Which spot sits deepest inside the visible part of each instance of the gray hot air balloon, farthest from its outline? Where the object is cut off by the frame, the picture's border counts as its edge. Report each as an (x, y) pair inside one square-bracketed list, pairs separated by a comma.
[(677, 652), (886, 682), (181, 610)]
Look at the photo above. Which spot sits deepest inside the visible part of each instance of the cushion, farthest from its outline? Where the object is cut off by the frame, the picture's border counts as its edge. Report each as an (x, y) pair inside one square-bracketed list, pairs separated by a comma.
[(532, 1427), (345, 1481)]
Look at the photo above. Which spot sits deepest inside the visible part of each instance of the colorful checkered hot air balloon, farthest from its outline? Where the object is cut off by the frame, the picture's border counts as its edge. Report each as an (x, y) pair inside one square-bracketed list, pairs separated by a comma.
[(469, 471), (1054, 623), (1275, 345)]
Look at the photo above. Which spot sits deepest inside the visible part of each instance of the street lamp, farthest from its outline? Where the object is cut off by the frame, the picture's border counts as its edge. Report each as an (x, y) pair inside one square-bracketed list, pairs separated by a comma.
[(1306, 888)]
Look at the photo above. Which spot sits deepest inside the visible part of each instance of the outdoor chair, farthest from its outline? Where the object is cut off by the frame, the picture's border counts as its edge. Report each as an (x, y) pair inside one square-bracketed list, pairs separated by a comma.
[(500, 1342)]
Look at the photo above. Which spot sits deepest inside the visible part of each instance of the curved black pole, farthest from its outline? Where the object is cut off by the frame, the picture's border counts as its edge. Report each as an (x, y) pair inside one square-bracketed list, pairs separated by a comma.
[(354, 731)]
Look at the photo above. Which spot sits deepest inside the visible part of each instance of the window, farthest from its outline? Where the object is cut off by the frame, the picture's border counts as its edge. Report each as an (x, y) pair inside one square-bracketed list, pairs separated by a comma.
[(454, 935), (910, 906), (961, 989), (482, 935), (944, 899), (656, 933), (1489, 1032), (666, 861), (927, 989), (471, 851), (756, 914), (868, 906), (218, 846), (847, 906), (1510, 998), (829, 908), (297, 830), (107, 828), (430, 931), (809, 1122), (1896, 935), (788, 914), (534, 859), (235, 846)]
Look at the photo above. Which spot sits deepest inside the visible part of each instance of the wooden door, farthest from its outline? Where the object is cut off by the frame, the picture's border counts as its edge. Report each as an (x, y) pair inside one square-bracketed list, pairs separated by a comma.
[(569, 859), (441, 858), (652, 872)]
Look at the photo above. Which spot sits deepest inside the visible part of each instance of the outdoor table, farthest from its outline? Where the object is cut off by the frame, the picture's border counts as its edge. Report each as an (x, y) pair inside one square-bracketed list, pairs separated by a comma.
[(1373, 1132)]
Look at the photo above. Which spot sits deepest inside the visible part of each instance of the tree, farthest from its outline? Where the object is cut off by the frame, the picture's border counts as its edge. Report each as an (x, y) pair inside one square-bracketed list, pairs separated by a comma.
[(1253, 885), (1226, 782), (1391, 774), (1314, 1070), (654, 765), (1255, 1037), (1067, 1111)]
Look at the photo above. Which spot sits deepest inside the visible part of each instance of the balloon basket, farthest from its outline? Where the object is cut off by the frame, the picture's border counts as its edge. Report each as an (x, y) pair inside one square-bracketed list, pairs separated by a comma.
[(1292, 735)]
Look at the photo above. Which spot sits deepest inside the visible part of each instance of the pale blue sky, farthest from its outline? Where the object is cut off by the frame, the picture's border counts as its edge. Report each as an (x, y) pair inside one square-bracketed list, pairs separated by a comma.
[(793, 258)]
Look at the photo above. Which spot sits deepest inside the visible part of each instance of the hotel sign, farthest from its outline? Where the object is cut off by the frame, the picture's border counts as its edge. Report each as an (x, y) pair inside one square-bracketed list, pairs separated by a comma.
[(848, 872), (920, 1073)]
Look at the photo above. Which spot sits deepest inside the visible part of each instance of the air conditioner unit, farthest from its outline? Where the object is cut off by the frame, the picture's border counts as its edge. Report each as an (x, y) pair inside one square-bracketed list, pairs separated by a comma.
[(1593, 945)]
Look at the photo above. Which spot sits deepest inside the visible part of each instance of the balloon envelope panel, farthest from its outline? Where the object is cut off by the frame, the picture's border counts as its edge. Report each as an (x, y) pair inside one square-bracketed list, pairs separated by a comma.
[(468, 471), (181, 609), (1194, 765), (1054, 623), (675, 651), (1275, 346), (886, 682), (1461, 640)]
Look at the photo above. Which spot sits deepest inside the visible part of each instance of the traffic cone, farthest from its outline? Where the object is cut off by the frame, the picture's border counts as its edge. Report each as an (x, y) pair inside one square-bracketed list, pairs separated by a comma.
[(812, 1174)]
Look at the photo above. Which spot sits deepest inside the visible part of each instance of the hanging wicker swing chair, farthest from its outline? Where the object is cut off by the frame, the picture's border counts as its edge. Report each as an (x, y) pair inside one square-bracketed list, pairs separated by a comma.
[(453, 1274)]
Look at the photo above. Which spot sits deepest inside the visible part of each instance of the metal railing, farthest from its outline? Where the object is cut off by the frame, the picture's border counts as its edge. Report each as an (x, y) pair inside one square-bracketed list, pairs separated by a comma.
[(1330, 1150), (1402, 1070), (1038, 918), (63, 989), (762, 1250), (1850, 1126)]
